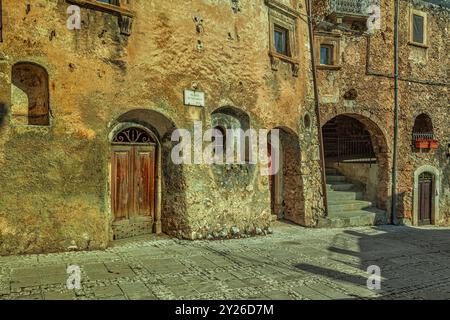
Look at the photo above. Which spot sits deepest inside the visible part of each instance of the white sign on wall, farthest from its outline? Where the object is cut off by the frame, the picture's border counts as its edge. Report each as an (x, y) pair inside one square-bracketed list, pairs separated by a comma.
[(194, 98)]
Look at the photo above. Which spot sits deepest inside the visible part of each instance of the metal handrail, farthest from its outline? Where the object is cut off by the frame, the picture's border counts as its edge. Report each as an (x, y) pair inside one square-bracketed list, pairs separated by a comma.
[(360, 148)]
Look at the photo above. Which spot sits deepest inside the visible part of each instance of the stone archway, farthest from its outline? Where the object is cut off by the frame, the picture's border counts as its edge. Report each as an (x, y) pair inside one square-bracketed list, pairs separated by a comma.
[(169, 190), (436, 174), (30, 94), (135, 181), (286, 185), (356, 154)]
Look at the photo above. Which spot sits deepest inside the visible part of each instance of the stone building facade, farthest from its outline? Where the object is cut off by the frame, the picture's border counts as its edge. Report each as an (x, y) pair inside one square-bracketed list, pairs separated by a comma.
[(357, 86), (88, 116), (77, 106)]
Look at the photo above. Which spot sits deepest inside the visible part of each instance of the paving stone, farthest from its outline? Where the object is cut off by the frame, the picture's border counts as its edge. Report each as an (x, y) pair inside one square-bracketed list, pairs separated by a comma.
[(24, 273), (183, 291), (310, 294), (54, 279), (257, 297), (111, 291), (174, 281), (206, 287), (135, 290), (145, 297), (222, 276), (5, 291), (59, 296), (283, 266), (278, 295), (254, 282), (235, 284), (202, 262), (31, 297), (23, 282), (221, 262)]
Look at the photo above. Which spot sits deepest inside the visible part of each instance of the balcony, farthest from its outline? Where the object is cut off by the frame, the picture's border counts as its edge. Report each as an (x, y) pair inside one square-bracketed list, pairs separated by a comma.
[(423, 134), (349, 11), (425, 141)]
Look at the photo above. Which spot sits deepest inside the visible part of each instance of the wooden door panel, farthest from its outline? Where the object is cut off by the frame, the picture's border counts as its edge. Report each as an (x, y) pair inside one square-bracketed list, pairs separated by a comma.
[(144, 180), (121, 182), (425, 201)]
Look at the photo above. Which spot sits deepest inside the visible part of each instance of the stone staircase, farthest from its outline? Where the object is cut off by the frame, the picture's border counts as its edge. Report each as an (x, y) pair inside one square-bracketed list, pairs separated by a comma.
[(346, 207)]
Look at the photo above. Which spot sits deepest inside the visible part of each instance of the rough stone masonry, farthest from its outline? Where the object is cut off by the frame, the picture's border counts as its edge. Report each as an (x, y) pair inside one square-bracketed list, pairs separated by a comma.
[(87, 116)]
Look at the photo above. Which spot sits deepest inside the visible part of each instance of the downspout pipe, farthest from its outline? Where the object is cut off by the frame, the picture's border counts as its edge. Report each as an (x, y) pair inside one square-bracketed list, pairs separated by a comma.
[(317, 104), (1, 22), (396, 112)]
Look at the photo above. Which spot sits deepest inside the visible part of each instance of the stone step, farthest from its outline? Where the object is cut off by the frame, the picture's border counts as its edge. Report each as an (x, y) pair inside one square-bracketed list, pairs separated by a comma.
[(348, 205), (340, 186), (344, 195), (331, 171), (358, 218), (336, 178)]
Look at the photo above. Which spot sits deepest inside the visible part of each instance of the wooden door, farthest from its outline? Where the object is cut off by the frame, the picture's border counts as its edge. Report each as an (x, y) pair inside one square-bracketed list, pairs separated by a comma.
[(144, 180), (121, 182), (272, 182), (425, 198), (133, 182)]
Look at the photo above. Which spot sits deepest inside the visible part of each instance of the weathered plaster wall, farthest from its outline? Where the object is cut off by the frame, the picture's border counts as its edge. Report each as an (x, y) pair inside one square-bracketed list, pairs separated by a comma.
[(55, 180)]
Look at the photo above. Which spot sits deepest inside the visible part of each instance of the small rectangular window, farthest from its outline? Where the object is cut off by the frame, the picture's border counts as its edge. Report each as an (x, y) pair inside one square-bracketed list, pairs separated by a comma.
[(326, 55), (281, 41), (418, 29), (113, 2)]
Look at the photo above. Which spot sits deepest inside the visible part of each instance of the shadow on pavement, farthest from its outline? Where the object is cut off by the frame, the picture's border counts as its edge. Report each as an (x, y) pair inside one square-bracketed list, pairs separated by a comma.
[(414, 262)]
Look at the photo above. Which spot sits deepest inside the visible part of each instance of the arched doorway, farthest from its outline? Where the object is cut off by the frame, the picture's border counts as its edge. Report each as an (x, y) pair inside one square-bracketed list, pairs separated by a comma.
[(426, 188), (347, 140), (169, 209), (286, 186), (232, 118), (357, 170), (133, 182), (30, 94), (427, 183)]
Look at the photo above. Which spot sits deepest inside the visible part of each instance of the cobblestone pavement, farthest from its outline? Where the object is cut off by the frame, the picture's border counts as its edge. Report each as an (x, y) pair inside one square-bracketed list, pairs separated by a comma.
[(293, 263)]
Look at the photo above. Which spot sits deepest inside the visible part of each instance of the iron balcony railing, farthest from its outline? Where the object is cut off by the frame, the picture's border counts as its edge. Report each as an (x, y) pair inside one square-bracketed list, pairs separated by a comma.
[(423, 135), (353, 7), (356, 150)]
